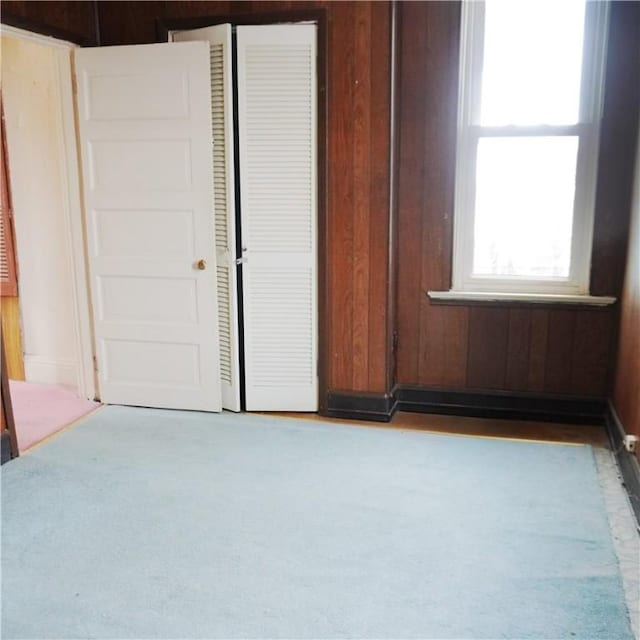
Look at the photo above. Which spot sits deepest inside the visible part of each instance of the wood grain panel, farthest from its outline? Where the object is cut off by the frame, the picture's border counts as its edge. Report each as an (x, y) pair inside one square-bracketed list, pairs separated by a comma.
[(592, 348), (341, 196), (129, 22), (538, 333), (518, 352), (560, 335), (488, 348), (10, 317), (443, 355), (379, 211), (413, 54), (68, 20), (361, 126)]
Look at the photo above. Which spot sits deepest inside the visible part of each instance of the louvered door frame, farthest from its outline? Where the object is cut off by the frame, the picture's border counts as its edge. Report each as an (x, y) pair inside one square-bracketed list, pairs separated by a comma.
[(319, 18)]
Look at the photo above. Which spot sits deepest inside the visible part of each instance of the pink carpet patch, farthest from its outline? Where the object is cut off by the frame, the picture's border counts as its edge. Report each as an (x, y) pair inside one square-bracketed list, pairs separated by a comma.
[(42, 409)]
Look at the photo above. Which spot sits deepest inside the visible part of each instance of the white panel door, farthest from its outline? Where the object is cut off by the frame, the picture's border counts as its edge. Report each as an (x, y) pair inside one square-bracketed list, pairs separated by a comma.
[(219, 39), (145, 134), (277, 135)]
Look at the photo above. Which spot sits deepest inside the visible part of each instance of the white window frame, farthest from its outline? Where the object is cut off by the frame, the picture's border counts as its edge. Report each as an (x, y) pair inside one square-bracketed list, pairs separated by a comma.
[(469, 132)]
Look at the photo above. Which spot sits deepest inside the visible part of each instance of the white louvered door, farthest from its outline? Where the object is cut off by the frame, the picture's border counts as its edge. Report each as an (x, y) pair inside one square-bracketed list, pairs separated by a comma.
[(219, 39), (277, 134)]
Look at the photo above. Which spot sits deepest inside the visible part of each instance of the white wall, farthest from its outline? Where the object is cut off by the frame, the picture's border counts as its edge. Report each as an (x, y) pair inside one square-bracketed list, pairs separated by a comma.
[(33, 114)]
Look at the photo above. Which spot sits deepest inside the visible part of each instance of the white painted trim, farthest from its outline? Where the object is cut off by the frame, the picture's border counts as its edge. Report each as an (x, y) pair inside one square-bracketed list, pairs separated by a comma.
[(74, 227), (38, 369), (540, 298), (22, 34)]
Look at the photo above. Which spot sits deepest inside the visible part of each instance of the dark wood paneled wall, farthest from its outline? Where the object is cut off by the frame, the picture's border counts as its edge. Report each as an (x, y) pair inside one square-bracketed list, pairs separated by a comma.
[(359, 71), (69, 20), (508, 347), (626, 397)]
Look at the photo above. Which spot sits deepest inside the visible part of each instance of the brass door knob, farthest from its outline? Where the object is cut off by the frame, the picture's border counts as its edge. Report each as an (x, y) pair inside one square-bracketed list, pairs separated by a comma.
[(201, 264)]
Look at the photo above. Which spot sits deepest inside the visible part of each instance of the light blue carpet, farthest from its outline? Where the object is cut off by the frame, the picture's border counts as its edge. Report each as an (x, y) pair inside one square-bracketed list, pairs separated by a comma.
[(161, 524)]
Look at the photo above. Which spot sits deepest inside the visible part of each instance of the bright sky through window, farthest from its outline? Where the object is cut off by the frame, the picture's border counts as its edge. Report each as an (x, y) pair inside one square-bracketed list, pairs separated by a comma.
[(532, 62)]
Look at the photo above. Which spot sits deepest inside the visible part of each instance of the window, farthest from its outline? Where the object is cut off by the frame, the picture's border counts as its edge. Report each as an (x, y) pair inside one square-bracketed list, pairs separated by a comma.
[(528, 125)]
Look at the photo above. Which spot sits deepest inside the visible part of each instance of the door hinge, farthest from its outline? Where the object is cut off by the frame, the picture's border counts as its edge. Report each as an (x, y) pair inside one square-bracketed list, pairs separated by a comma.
[(95, 364), (394, 343)]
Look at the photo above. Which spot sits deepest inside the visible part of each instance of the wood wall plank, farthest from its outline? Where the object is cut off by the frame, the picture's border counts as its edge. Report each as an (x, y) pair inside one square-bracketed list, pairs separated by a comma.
[(413, 54), (538, 333), (341, 198), (488, 347), (361, 126), (379, 211), (443, 352), (560, 335), (518, 352), (592, 348)]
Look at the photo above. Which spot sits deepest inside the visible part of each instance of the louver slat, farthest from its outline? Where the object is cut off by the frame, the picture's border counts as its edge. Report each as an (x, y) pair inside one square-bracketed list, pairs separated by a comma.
[(277, 128)]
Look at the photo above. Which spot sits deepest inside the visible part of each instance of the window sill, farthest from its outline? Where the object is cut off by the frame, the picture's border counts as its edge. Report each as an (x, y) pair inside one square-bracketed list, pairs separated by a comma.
[(453, 297)]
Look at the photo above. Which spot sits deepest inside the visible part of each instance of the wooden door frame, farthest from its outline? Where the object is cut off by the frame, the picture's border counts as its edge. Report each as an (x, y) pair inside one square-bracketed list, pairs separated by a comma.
[(318, 16)]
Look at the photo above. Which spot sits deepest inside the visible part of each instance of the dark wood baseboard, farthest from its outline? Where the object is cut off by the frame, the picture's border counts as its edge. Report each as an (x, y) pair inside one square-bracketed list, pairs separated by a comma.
[(513, 406), (354, 405), (627, 462)]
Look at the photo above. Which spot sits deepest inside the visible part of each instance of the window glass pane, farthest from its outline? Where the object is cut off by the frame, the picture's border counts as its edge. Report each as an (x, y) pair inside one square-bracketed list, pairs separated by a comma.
[(532, 62), (525, 190)]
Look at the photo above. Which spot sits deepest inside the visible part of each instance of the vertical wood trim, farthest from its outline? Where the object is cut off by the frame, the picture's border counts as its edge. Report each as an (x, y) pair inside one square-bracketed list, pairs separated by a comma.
[(518, 349), (394, 155), (412, 117), (380, 275), (341, 202), (538, 332), (361, 195), (560, 339)]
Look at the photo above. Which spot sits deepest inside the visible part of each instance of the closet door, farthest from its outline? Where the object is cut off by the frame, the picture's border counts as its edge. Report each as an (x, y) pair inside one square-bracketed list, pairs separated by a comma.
[(277, 135), (144, 117), (219, 39)]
